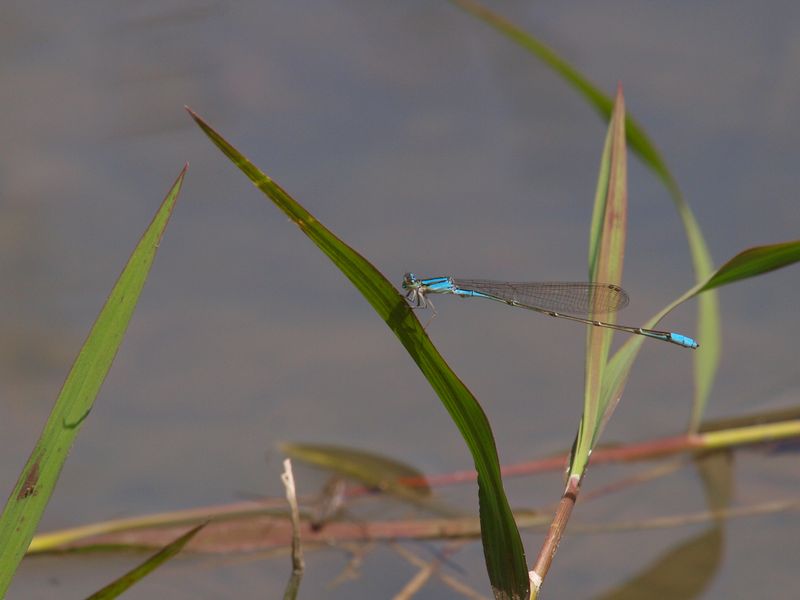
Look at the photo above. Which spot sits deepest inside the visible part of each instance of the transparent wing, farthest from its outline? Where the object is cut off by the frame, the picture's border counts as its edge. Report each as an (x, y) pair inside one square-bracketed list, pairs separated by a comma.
[(567, 297)]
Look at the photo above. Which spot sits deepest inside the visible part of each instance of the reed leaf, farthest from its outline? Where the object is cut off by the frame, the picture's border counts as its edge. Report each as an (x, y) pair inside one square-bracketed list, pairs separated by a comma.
[(503, 550), (117, 587)]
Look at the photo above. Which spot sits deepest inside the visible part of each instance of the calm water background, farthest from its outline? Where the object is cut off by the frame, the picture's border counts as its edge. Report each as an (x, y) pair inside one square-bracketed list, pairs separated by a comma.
[(428, 143)]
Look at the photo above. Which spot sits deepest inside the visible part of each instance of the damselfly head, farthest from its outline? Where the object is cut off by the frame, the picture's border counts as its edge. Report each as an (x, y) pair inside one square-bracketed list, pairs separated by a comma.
[(410, 281)]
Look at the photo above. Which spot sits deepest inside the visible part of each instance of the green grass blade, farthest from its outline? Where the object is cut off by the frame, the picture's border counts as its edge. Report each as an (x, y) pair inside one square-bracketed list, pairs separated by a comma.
[(115, 588), (606, 254), (706, 362), (38, 479), (505, 558), (753, 262), (637, 137), (748, 263), (600, 204), (597, 98)]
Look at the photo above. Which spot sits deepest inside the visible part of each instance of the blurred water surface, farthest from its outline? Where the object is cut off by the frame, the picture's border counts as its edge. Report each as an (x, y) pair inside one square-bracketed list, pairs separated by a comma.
[(428, 143)]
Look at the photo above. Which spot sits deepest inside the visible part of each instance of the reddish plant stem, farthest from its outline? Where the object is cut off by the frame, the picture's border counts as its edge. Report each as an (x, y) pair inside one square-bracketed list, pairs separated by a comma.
[(631, 452), (555, 532)]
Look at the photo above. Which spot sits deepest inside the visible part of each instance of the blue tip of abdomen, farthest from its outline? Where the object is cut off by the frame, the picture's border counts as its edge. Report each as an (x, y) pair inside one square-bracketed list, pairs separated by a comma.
[(683, 340)]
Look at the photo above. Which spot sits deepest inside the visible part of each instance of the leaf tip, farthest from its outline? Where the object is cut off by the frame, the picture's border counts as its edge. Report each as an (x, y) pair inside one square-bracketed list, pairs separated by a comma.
[(197, 118)]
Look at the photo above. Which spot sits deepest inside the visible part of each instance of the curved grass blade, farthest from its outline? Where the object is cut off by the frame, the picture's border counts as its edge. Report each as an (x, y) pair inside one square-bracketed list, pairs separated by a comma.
[(753, 262), (503, 550), (38, 479), (708, 325), (117, 587), (749, 263)]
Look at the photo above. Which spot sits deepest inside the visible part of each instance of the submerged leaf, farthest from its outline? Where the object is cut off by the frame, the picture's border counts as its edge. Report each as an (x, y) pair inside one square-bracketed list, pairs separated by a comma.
[(684, 572), (385, 474), (716, 473), (373, 470)]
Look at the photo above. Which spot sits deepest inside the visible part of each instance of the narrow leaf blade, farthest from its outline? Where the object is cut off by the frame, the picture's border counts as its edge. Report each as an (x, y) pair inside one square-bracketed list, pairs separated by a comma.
[(749, 263), (38, 479), (503, 550), (607, 250), (755, 261), (117, 587)]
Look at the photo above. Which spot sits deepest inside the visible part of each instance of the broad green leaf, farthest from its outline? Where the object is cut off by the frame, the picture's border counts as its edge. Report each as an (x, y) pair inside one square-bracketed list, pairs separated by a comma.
[(708, 325), (117, 587), (606, 254), (38, 479), (505, 557)]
